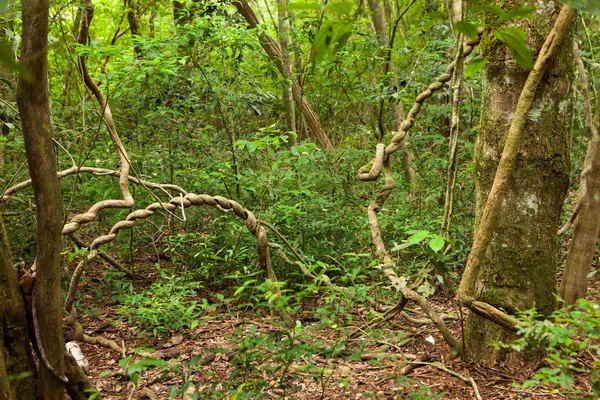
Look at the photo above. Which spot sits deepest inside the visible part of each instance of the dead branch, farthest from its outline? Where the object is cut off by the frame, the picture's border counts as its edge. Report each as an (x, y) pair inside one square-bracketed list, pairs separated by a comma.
[(453, 373), (102, 341)]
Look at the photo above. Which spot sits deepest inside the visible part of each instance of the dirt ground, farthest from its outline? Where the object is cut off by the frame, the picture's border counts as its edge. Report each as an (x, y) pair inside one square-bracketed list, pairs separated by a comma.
[(379, 372)]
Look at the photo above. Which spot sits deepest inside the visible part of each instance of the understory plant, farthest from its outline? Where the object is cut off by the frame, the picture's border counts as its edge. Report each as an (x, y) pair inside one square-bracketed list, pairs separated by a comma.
[(570, 338)]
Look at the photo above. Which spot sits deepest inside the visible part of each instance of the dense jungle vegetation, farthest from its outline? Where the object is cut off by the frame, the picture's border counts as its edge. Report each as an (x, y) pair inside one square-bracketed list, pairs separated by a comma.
[(287, 199)]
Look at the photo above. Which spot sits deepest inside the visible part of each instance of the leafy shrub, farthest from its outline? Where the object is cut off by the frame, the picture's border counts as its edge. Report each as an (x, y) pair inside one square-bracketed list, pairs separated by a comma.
[(563, 336), (165, 306)]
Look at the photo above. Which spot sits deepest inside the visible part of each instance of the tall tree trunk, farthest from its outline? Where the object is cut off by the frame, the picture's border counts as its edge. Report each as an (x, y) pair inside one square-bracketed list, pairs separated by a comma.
[(512, 265), (378, 18), (34, 107), (312, 119), (587, 225), (287, 72)]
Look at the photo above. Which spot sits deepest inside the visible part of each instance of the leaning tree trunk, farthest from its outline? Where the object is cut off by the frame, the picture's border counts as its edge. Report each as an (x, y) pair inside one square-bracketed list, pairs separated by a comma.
[(517, 270), (312, 119), (287, 71), (34, 107)]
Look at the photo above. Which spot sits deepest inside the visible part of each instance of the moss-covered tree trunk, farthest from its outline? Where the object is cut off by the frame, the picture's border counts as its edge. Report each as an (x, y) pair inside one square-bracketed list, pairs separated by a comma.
[(519, 268)]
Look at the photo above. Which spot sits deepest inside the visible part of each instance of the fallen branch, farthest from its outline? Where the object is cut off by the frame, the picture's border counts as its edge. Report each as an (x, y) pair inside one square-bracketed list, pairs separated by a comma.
[(453, 373)]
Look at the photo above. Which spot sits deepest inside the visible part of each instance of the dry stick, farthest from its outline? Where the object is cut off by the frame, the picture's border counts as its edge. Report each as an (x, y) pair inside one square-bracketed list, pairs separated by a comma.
[(191, 199), (466, 290), (439, 323), (453, 373)]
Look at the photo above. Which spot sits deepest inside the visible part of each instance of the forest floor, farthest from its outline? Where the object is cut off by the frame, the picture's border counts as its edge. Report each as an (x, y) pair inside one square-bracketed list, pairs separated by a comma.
[(381, 371)]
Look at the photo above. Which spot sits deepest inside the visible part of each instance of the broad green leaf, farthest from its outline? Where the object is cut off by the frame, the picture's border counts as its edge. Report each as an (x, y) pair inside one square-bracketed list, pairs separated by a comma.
[(343, 8), (588, 6), (437, 243), (418, 236), (251, 146), (493, 9), (523, 12), (8, 62), (330, 39), (467, 28), (343, 33), (515, 40), (474, 66)]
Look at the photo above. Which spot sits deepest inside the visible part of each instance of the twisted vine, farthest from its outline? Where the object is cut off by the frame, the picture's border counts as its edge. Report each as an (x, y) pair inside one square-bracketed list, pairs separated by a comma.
[(381, 162), (221, 203), (127, 200)]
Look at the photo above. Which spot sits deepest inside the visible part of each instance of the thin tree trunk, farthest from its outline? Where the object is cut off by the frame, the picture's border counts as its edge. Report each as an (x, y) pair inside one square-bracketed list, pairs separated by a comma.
[(34, 107), (378, 19), (312, 119), (287, 72), (587, 225)]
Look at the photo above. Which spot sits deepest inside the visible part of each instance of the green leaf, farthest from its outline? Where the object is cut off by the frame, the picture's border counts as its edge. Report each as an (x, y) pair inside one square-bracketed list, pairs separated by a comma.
[(493, 9), (474, 66), (437, 243), (523, 12), (515, 40), (467, 28), (7, 60), (251, 146), (343, 8), (588, 6), (418, 236)]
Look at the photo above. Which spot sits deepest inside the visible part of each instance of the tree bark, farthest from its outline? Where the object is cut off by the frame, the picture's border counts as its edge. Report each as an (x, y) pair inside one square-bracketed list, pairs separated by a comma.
[(378, 18), (312, 119), (521, 178), (34, 107), (587, 225)]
